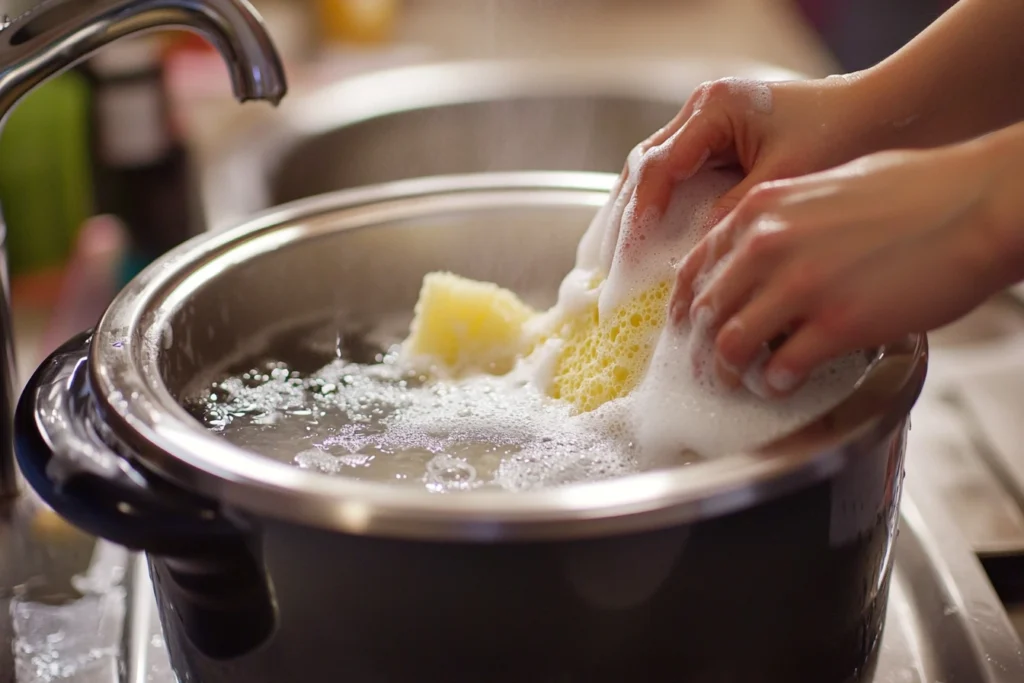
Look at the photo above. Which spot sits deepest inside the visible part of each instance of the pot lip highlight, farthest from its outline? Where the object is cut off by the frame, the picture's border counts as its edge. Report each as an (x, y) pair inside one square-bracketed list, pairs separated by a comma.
[(127, 346)]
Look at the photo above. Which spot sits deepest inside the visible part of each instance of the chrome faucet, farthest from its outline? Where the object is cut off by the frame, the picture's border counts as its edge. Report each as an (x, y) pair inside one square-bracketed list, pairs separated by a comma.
[(56, 35)]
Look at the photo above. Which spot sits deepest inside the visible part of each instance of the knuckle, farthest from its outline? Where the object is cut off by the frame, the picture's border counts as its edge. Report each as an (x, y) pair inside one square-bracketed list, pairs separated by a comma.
[(718, 88), (702, 92), (709, 91), (803, 283), (635, 159), (758, 201), (645, 169), (840, 320), (765, 196), (654, 163), (766, 244)]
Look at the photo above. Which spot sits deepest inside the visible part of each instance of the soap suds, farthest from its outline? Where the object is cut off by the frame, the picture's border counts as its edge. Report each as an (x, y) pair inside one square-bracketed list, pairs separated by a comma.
[(666, 238), (679, 404), (638, 392), (757, 93), (675, 408)]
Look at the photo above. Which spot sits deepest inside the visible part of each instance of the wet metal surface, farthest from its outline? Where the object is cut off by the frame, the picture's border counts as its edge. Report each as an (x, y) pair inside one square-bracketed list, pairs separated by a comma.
[(63, 599), (967, 426)]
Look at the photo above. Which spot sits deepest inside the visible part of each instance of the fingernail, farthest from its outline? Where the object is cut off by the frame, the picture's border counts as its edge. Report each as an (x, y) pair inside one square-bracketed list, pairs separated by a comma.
[(727, 373), (678, 311), (701, 317), (781, 380), (634, 159), (753, 378)]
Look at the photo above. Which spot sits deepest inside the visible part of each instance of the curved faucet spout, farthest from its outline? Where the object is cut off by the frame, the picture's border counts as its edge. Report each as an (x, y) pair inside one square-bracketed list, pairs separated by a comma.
[(57, 34)]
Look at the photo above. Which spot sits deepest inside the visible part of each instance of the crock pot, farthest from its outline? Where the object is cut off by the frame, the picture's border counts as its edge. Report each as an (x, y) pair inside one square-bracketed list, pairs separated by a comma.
[(767, 566)]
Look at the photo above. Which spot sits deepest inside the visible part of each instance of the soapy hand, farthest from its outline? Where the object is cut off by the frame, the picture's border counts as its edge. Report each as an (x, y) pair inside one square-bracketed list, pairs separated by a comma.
[(771, 130), (850, 258)]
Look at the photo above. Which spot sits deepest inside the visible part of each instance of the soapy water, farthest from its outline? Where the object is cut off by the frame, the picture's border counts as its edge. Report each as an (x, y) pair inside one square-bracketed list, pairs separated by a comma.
[(384, 422)]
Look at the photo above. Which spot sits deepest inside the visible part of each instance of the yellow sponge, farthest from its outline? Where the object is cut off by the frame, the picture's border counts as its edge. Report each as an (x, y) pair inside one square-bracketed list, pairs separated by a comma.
[(604, 359), (464, 325)]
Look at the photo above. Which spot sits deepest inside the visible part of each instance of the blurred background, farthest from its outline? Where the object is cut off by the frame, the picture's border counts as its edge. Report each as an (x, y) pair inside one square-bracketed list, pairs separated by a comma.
[(101, 169)]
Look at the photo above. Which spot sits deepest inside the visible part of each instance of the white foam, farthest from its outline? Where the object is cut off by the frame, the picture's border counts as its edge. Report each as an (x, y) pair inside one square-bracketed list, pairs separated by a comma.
[(384, 423), (675, 408), (375, 422), (757, 93), (650, 246), (680, 405)]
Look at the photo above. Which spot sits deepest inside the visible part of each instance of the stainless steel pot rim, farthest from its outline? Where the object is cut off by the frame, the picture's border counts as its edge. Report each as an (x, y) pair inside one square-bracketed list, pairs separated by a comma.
[(132, 398)]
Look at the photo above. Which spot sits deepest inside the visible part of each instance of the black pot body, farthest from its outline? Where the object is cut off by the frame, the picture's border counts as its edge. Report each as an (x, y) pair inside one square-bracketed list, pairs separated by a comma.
[(789, 591)]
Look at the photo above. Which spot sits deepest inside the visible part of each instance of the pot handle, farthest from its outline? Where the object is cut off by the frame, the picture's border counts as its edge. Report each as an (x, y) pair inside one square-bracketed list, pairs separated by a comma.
[(209, 569), (76, 472)]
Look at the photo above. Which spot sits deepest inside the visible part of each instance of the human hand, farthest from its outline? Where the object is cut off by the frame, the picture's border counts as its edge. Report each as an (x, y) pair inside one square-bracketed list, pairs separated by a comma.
[(846, 259), (772, 130)]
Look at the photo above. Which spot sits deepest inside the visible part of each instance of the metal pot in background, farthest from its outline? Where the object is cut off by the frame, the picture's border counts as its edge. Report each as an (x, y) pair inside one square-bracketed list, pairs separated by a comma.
[(760, 567), (454, 118)]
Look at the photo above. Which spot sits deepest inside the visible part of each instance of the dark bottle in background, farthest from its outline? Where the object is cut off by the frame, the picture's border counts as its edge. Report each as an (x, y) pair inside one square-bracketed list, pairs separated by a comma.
[(142, 169)]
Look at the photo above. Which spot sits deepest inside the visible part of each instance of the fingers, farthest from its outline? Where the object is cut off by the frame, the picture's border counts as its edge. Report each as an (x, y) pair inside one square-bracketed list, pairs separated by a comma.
[(671, 128), (682, 116), (705, 133), (660, 136), (697, 269), (745, 315), (754, 211), (810, 346), (703, 128), (752, 332), (677, 151), (624, 190), (745, 287)]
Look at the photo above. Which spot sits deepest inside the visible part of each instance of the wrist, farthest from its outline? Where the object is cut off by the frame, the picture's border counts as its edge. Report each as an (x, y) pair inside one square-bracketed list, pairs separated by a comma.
[(1000, 161), (838, 111), (889, 110), (871, 118)]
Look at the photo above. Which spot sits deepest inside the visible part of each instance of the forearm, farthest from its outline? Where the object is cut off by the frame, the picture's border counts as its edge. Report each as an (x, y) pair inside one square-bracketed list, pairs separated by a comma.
[(1001, 168), (962, 77)]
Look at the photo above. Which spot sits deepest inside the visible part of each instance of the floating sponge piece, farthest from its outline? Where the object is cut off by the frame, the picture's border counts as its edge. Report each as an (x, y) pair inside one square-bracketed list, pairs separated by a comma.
[(601, 360), (464, 325)]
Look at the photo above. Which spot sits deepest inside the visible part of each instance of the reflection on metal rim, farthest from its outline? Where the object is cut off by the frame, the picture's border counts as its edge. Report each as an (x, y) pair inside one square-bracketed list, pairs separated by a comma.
[(125, 368)]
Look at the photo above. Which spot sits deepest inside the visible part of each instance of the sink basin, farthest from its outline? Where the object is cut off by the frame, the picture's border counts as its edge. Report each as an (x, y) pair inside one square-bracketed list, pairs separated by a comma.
[(455, 118)]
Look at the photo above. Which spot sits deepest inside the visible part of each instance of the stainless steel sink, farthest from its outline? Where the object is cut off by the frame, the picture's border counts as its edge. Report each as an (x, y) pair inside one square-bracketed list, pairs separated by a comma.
[(453, 118)]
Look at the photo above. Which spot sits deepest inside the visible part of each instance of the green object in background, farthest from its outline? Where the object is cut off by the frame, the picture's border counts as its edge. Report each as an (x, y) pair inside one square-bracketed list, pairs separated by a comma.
[(45, 173), (132, 264)]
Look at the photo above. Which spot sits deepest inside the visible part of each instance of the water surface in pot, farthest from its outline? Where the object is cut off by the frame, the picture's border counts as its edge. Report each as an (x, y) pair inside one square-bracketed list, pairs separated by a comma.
[(599, 385), (343, 404)]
